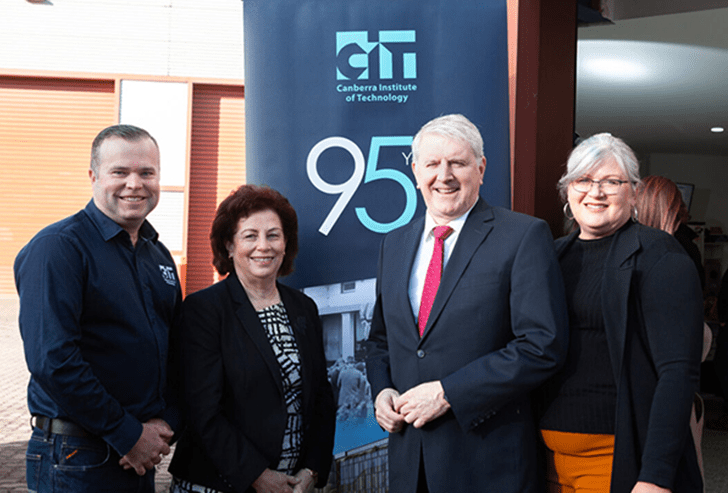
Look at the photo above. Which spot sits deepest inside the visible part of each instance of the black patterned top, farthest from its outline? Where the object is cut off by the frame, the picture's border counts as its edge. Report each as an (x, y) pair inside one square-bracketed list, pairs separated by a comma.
[(280, 335)]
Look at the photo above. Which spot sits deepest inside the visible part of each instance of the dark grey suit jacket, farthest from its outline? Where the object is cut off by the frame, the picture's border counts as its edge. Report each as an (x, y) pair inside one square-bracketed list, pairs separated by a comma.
[(497, 330)]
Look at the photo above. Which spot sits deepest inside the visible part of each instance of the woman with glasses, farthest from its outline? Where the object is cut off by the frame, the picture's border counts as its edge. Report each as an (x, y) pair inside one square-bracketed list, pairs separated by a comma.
[(616, 418)]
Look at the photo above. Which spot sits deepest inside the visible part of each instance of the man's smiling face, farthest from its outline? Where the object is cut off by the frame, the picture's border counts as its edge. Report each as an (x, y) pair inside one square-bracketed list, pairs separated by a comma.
[(126, 183), (449, 176)]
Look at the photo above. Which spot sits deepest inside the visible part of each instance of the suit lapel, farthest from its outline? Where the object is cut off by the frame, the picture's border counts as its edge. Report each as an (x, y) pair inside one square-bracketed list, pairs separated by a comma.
[(253, 327), (618, 271), (403, 271), (475, 230), (299, 326), (616, 281), (563, 245)]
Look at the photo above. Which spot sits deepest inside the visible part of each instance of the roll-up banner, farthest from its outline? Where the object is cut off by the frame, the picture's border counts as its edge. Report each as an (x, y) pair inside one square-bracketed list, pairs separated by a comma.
[(335, 91)]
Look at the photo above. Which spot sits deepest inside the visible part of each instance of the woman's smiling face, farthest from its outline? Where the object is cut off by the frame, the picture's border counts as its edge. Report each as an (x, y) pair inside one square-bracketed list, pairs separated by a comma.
[(598, 214), (258, 247)]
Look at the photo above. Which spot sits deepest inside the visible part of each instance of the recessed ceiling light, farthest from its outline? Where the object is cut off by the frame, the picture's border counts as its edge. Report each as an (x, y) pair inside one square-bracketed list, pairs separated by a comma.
[(717, 130)]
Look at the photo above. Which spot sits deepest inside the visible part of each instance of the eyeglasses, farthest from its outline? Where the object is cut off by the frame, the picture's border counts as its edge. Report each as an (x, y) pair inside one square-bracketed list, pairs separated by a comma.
[(610, 186)]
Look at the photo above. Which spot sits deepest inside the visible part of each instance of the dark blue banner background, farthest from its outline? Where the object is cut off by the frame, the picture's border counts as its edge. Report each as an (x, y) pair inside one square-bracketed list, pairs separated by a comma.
[(368, 74)]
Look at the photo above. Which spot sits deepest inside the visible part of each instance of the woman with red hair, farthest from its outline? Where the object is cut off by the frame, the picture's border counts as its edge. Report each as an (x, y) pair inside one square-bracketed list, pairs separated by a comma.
[(660, 205)]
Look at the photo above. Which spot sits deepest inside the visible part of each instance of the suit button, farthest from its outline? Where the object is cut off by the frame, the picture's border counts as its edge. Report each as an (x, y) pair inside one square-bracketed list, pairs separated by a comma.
[(420, 353)]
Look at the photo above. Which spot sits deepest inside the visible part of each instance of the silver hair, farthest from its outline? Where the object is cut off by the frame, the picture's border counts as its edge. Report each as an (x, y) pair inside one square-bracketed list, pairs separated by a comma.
[(591, 153), (455, 127)]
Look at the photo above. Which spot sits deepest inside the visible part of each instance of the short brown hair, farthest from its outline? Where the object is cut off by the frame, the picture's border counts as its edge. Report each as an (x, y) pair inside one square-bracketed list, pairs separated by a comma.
[(130, 133), (241, 203)]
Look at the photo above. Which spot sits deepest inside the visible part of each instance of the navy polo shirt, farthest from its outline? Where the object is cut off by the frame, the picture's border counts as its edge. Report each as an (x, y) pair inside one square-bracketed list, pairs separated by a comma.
[(95, 318)]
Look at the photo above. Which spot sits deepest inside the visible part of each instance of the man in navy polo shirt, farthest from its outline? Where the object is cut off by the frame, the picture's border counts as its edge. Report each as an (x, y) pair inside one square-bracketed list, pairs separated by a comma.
[(98, 297)]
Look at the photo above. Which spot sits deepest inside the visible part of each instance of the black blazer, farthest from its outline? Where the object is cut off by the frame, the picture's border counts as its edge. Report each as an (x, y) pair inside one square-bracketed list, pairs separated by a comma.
[(497, 330), (233, 390), (653, 315)]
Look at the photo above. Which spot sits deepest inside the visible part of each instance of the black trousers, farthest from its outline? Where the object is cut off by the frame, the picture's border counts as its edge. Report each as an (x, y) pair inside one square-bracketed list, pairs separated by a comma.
[(421, 478)]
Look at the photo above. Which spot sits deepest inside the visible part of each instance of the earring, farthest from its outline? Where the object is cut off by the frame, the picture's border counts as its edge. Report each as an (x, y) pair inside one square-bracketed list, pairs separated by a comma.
[(567, 212), (634, 214)]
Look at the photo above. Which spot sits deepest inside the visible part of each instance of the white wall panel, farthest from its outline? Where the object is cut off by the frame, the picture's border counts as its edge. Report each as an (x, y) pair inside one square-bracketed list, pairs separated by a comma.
[(206, 40), (151, 37), (167, 219), (161, 109)]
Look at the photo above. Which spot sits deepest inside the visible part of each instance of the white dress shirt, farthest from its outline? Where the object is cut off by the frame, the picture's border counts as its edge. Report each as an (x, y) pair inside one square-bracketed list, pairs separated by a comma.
[(424, 254)]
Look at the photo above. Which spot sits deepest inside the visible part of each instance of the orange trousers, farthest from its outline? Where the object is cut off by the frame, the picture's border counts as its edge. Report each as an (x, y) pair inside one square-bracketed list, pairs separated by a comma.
[(578, 462)]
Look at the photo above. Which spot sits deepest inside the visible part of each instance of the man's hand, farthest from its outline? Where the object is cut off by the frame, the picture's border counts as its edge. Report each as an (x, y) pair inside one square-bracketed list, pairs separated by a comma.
[(271, 481), (149, 449), (165, 431), (387, 417), (307, 482), (422, 404), (642, 487)]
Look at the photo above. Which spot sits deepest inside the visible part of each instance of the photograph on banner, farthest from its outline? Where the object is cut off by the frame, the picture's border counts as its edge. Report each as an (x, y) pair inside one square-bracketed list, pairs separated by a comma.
[(335, 92), (346, 310)]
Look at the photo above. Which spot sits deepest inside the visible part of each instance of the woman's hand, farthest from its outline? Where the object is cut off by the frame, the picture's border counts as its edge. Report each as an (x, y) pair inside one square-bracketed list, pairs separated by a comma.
[(642, 487), (307, 482), (275, 482)]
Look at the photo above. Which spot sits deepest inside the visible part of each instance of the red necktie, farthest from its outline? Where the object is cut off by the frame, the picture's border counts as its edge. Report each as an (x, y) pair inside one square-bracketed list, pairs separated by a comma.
[(434, 273)]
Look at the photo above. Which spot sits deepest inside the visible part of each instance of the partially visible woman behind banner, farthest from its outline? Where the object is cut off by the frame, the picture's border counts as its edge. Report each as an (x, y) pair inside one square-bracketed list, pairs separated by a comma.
[(660, 205), (260, 409), (616, 418)]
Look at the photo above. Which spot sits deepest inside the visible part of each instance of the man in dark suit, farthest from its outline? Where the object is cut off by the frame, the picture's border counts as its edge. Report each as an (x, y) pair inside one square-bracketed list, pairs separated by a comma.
[(452, 355)]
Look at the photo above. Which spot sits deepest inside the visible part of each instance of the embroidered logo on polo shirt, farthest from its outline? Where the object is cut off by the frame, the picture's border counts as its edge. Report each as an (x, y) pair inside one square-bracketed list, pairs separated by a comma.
[(168, 275)]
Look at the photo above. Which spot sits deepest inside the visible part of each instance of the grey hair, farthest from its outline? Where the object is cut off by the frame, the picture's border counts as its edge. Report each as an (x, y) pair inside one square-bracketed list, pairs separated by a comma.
[(455, 127), (129, 133), (591, 153)]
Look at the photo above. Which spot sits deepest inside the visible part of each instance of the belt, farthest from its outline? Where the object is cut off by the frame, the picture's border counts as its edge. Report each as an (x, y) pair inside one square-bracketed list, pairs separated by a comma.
[(59, 427)]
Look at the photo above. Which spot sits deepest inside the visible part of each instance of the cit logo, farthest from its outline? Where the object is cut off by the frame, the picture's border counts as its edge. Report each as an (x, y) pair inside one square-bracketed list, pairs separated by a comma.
[(168, 275), (387, 57)]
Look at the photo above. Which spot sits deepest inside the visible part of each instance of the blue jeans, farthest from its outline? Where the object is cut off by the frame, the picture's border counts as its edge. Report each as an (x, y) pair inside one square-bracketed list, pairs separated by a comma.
[(68, 464)]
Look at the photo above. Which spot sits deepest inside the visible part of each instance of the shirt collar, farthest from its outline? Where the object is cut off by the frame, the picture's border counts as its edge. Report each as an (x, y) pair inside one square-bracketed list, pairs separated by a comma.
[(109, 228), (456, 224)]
